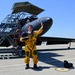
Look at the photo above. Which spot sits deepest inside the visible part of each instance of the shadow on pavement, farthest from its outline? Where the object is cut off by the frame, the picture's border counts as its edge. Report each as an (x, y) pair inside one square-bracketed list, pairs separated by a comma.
[(40, 68), (48, 58)]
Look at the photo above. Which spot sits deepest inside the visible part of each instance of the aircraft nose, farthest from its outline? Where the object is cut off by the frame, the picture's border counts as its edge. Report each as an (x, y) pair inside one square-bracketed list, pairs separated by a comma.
[(47, 21), (48, 18)]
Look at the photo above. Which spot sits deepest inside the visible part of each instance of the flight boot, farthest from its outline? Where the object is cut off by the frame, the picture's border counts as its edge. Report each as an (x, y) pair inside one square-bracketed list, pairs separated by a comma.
[(27, 66), (35, 66)]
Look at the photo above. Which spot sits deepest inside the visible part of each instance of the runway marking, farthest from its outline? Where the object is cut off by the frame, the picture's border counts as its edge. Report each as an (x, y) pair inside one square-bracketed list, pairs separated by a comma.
[(9, 70), (12, 65)]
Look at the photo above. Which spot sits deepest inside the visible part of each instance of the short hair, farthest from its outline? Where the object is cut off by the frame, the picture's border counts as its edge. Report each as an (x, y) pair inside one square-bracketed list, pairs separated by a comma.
[(30, 26)]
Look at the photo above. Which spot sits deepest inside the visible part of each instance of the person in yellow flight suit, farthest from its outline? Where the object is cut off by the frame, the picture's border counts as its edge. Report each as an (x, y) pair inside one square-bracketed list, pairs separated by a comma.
[(30, 45)]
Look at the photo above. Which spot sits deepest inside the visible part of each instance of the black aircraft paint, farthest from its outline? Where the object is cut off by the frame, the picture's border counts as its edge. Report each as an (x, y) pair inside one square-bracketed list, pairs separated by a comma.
[(47, 21)]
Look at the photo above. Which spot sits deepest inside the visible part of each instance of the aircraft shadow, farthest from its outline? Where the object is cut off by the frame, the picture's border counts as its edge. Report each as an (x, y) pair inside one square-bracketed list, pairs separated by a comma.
[(47, 57)]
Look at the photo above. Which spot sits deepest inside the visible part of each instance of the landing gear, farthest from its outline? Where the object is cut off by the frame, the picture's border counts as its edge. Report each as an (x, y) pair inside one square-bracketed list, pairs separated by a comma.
[(69, 45)]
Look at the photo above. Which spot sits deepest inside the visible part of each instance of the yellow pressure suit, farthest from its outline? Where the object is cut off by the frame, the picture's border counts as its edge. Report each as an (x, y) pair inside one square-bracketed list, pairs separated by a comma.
[(31, 47)]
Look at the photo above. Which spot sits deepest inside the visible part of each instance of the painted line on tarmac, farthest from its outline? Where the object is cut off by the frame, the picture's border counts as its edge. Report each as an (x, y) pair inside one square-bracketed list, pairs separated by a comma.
[(12, 65), (9, 70)]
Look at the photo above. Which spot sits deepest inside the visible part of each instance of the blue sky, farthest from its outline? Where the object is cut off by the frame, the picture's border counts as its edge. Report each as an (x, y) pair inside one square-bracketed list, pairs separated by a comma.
[(61, 11)]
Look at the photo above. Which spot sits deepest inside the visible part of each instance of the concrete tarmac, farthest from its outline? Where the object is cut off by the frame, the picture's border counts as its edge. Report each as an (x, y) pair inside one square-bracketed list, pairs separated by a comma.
[(48, 61)]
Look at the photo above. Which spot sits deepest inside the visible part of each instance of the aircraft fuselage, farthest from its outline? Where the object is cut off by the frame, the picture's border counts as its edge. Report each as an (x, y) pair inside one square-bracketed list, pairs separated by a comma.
[(47, 21)]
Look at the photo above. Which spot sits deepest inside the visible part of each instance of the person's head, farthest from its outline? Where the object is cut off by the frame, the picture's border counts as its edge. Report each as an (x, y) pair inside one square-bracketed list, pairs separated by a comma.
[(30, 28)]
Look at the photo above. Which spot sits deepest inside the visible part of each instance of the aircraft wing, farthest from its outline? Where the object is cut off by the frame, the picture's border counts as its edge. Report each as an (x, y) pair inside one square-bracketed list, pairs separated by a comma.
[(54, 40)]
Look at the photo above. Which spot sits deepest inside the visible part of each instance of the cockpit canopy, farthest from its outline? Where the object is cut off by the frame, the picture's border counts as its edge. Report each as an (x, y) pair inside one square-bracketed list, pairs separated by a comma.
[(26, 7)]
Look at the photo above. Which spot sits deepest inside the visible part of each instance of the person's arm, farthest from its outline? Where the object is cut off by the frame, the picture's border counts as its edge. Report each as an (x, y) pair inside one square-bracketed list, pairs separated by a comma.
[(40, 30), (23, 36), (21, 39)]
